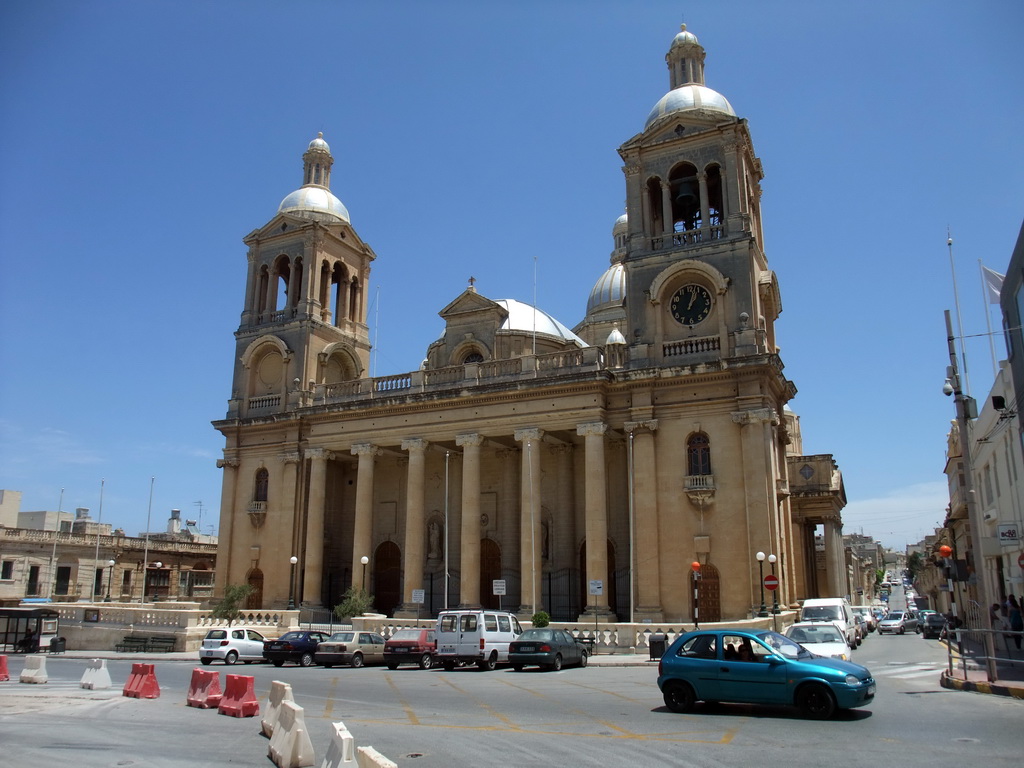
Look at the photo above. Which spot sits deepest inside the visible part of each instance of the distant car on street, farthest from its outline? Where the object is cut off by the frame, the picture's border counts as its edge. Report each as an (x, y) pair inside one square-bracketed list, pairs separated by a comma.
[(231, 644), (933, 626), (355, 648), (298, 646), (546, 648), (897, 623), (411, 646), (820, 638)]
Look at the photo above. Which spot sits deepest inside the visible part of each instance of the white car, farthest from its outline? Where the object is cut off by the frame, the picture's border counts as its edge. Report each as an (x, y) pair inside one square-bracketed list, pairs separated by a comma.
[(231, 644), (820, 638)]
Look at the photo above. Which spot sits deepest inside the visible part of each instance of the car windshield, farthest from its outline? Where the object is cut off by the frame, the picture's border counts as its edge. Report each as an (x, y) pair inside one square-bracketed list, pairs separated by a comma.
[(216, 634), (342, 637), (894, 617), (406, 634), (535, 634), (781, 644), (821, 612), (292, 636), (811, 635)]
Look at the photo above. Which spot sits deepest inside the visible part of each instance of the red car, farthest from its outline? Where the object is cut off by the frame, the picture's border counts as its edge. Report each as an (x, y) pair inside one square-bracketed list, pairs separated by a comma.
[(410, 646)]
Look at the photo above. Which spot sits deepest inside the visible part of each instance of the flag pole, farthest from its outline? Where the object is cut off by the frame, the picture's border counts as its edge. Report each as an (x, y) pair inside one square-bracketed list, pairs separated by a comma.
[(959, 318), (988, 292)]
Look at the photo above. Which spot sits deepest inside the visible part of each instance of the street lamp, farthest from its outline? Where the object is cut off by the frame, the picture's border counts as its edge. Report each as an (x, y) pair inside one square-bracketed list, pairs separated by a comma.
[(775, 592), (364, 560), (291, 584), (110, 575), (695, 567), (760, 567), (156, 566)]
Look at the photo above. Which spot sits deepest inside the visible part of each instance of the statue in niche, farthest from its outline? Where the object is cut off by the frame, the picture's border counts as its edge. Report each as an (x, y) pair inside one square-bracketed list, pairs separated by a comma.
[(434, 541)]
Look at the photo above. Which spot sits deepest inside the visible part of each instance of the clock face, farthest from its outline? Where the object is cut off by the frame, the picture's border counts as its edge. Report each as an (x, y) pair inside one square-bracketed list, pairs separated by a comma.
[(691, 304)]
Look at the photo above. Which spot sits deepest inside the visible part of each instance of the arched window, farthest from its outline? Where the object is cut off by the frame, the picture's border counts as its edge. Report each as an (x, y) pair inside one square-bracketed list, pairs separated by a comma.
[(698, 455), (262, 485), (473, 357)]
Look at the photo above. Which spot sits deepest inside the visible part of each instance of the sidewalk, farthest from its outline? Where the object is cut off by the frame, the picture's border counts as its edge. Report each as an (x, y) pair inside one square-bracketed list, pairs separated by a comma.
[(1009, 672)]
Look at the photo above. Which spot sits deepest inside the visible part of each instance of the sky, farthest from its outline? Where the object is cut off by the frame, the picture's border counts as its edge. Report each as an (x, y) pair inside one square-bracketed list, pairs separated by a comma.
[(141, 141)]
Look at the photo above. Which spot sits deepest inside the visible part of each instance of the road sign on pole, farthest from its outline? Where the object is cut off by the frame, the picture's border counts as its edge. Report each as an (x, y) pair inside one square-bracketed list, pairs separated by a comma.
[(771, 582)]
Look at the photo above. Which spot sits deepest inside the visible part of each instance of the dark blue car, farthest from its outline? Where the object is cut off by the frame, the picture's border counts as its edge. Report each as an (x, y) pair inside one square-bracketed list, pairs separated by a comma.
[(299, 647), (758, 667)]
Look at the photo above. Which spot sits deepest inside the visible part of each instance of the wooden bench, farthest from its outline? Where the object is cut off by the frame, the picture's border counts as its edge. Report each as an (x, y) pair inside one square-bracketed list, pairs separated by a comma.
[(161, 644), (131, 644)]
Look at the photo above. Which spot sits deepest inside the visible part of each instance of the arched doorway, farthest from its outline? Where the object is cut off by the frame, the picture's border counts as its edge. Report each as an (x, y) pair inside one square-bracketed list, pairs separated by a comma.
[(387, 578), (255, 599), (490, 570), (709, 594)]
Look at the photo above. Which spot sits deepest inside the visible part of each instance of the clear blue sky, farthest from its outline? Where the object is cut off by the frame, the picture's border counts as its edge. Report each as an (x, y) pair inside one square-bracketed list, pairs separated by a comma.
[(140, 141)]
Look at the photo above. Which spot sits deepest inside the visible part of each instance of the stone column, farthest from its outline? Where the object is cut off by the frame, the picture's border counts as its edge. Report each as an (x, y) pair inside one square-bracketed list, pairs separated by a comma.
[(362, 531), (702, 184), (469, 564), (286, 503), (251, 302), (530, 568), (666, 207), (646, 538), (312, 582), (596, 504), (414, 528), (835, 559), (228, 570)]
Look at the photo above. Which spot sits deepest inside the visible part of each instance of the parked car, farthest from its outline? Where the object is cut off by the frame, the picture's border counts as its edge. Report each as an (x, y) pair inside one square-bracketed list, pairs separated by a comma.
[(297, 646), (355, 648), (820, 638), (411, 646), (934, 625), (231, 644), (759, 667), (834, 609), (862, 627), (897, 622), (868, 615), (478, 637), (546, 648)]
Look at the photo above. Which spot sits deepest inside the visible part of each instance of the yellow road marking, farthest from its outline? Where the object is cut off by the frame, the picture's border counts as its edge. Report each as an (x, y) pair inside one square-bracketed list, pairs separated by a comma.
[(401, 700)]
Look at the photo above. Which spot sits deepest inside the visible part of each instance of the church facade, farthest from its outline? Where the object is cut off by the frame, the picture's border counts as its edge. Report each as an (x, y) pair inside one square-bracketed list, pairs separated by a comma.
[(631, 468)]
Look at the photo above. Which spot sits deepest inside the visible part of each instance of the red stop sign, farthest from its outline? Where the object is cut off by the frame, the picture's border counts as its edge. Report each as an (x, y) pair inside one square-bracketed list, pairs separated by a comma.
[(1020, 560), (771, 582)]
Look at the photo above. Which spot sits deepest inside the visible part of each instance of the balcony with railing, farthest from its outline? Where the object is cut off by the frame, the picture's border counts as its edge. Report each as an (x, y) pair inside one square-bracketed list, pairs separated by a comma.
[(698, 345), (688, 238)]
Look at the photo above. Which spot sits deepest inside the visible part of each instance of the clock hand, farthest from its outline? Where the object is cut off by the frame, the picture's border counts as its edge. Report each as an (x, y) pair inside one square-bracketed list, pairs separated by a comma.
[(693, 298)]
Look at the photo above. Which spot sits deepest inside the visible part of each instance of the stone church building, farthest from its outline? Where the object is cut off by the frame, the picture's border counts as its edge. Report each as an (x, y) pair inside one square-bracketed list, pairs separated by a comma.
[(584, 470)]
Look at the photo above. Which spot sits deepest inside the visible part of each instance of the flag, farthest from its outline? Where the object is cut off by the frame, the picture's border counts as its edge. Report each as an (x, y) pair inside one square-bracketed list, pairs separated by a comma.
[(993, 283)]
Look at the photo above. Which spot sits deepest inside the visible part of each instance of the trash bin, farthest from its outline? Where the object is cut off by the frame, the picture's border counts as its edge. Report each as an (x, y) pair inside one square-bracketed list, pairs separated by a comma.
[(58, 644), (656, 642)]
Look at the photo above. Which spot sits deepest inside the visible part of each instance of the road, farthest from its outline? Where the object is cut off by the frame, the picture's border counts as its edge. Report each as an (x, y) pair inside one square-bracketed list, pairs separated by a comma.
[(595, 716)]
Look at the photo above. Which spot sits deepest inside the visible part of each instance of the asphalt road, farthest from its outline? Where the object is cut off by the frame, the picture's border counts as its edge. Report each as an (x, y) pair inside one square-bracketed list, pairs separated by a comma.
[(604, 716)]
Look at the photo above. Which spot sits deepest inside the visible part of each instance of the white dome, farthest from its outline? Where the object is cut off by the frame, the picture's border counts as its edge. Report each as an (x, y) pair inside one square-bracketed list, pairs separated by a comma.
[(319, 143), (690, 97), (609, 290), (314, 202), (523, 317)]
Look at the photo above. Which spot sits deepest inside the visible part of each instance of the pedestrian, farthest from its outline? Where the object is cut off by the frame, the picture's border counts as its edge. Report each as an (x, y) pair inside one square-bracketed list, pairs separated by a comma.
[(998, 625), (1016, 620)]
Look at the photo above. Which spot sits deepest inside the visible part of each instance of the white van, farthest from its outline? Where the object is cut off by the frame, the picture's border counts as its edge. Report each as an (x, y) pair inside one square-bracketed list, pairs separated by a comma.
[(836, 610), (478, 637)]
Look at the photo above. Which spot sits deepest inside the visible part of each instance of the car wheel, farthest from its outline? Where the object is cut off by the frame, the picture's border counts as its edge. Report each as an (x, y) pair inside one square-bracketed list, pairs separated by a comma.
[(556, 665), (448, 666), (679, 696), (278, 662), (247, 661), (584, 659), (426, 661), (206, 661), (517, 667), (816, 701), (231, 657), (357, 660), (306, 660), (903, 630), (392, 666), (488, 664)]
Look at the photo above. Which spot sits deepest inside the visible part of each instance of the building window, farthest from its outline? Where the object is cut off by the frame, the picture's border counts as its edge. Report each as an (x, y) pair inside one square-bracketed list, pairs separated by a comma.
[(262, 485), (7, 570), (698, 455)]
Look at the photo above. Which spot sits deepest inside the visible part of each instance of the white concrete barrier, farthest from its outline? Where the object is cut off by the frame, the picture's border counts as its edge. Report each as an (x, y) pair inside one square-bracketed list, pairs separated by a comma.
[(35, 670), (290, 746), (368, 757), (96, 676), (279, 692), (342, 748)]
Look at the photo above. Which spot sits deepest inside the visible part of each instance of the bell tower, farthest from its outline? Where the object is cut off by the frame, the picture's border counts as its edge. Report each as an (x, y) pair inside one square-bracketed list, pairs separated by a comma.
[(303, 325), (698, 287)]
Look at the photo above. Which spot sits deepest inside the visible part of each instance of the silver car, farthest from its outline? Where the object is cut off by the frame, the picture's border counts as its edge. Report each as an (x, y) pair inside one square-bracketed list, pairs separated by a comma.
[(231, 644), (897, 622)]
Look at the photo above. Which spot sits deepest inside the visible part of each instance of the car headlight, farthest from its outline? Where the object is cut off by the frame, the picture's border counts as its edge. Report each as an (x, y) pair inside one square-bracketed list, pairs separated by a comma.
[(840, 656), (852, 680)]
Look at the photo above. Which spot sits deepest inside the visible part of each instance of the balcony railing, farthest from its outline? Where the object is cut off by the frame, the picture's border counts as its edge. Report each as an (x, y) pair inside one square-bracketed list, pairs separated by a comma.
[(689, 237), (695, 346)]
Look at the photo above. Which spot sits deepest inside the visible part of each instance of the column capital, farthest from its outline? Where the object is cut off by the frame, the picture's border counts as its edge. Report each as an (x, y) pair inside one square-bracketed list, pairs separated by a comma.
[(319, 453), (591, 428), (413, 445), (634, 426), (470, 439), (756, 416), (291, 457), (229, 462), (528, 434), (365, 449)]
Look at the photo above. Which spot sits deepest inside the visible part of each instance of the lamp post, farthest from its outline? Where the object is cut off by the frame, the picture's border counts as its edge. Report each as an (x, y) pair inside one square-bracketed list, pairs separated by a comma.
[(760, 567), (364, 560), (291, 584), (695, 567), (155, 566), (110, 575), (775, 592)]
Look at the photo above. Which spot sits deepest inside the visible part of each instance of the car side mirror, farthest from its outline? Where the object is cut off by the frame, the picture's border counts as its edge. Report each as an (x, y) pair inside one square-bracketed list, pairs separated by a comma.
[(773, 659)]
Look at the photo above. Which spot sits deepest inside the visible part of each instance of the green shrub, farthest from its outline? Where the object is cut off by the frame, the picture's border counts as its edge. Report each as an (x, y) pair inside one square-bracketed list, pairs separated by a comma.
[(230, 606), (355, 602), (540, 619)]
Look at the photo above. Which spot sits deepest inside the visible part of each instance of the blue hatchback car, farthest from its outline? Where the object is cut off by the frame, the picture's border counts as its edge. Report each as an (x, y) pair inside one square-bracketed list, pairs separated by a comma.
[(758, 667)]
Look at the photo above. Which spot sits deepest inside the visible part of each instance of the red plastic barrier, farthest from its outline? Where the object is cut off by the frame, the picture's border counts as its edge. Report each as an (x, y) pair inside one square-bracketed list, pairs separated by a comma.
[(204, 690), (239, 697), (142, 682), (4, 674)]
